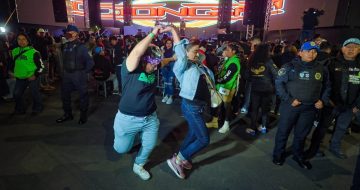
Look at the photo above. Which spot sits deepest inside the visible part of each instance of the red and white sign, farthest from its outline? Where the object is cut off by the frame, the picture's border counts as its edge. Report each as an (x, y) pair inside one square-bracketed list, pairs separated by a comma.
[(196, 13)]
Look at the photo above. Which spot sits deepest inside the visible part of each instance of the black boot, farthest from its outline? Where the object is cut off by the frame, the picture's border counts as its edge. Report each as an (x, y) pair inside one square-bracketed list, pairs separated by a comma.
[(65, 117), (278, 160), (305, 164), (83, 117)]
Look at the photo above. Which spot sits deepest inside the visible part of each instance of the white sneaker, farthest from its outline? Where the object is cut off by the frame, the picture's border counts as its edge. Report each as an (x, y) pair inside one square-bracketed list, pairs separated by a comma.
[(225, 128), (165, 99), (141, 172), (243, 111), (169, 100), (262, 129)]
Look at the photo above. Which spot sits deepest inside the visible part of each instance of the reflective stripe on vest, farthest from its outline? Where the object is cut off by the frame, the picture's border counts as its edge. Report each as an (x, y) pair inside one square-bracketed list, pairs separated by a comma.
[(25, 66), (231, 84)]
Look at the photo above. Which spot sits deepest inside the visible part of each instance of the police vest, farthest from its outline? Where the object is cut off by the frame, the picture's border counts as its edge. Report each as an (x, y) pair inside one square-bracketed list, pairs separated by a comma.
[(231, 84), (71, 57), (24, 64), (306, 83)]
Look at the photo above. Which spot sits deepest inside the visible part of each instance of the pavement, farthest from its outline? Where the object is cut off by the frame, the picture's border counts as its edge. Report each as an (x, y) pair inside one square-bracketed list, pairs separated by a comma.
[(38, 153)]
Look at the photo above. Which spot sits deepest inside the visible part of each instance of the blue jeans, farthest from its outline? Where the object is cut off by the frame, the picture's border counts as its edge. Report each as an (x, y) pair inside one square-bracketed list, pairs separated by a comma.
[(126, 127), (197, 137), (343, 121), (168, 78), (20, 87)]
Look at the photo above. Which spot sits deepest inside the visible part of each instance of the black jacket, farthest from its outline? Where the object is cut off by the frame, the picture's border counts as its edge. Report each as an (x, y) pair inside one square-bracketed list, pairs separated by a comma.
[(102, 67), (340, 72), (41, 44), (262, 78), (323, 57), (116, 54)]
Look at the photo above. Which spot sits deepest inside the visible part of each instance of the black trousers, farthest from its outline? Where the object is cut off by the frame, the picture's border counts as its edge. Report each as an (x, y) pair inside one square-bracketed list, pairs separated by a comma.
[(302, 117), (71, 82), (20, 87), (260, 100), (324, 117)]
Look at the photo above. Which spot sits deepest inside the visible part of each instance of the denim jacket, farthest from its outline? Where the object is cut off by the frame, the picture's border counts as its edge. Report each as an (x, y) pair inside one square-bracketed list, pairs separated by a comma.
[(187, 72)]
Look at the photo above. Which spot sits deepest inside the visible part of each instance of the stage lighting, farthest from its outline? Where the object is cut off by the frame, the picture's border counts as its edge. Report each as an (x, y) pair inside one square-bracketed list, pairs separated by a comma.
[(2, 29)]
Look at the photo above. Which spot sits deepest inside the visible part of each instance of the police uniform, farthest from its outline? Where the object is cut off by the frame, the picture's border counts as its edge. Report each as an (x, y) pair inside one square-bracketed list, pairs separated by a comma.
[(76, 63), (308, 83)]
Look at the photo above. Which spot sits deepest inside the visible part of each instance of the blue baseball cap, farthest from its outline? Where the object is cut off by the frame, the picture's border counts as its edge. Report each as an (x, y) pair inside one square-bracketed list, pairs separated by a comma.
[(309, 46), (97, 50), (72, 28), (352, 41)]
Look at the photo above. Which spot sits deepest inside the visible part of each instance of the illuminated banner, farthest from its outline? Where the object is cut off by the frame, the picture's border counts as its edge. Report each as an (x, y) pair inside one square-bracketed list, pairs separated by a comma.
[(196, 13)]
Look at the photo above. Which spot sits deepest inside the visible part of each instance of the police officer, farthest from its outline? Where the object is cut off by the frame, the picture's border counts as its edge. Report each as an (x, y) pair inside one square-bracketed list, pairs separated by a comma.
[(344, 99), (303, 86), (345, 78), (76, 63)]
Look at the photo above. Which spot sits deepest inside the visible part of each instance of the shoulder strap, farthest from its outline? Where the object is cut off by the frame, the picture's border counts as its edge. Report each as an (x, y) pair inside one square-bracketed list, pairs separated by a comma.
[(210, 82), (21, 53)]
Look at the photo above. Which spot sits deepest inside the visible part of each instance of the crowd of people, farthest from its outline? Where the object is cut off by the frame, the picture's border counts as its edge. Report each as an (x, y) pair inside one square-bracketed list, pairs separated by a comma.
[(311, 84)]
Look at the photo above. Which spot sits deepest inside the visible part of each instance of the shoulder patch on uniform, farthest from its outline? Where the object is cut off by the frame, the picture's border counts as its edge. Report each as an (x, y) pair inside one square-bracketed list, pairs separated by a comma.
[(317, 76), (282, 71)]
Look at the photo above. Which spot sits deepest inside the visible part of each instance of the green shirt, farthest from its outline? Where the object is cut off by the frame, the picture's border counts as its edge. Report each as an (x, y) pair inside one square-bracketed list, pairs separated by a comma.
[(232, 83), (25, 66)]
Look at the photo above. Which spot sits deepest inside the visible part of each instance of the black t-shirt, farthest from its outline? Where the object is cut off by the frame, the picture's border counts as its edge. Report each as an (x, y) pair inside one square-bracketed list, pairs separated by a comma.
[(138, 92), (202, 91)]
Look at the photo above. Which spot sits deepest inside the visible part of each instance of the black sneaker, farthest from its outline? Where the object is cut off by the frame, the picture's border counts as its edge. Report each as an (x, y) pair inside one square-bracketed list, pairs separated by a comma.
[(66, 117), (278, 161), (83, 118), (305, 164)]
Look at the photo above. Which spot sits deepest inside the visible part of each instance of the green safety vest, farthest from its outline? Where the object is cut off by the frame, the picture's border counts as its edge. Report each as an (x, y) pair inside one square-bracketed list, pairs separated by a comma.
[(24, 65), (231, 84)]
